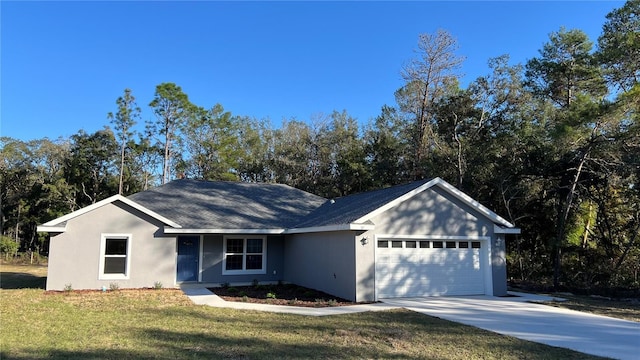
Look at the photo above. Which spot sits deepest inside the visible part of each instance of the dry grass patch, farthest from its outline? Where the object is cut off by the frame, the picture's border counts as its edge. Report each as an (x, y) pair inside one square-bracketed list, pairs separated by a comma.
[(23, 276), (628, 309)]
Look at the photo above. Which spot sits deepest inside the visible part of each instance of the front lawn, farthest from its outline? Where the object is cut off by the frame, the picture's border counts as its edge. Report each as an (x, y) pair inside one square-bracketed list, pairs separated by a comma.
[(164, 324), (146, 324), (152, 324)]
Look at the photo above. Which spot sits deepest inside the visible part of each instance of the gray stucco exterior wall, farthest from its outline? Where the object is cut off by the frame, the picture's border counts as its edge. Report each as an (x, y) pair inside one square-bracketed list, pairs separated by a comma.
[(432, 212), (74, 256), (212, 254), (322, 261), (499, 265)]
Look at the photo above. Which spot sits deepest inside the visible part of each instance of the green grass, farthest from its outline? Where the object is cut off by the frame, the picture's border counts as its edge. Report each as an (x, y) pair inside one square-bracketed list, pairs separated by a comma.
[(152, 324)]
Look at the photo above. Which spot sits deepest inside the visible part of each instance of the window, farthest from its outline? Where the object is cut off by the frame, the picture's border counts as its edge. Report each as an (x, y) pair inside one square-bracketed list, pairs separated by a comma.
[(244, 255), (451, 244), (424, 244), (463, 245), (475, 244), (437, 244), (115, 251), (383, 243), (396, 244), (410, 244)]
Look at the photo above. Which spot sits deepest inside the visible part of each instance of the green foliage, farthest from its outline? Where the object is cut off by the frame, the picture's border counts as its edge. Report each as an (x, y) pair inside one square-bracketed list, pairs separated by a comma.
[(8, 246), (124, 120), (157, 285), (271, 295), (114, 286), (68, 287), (552, 146)]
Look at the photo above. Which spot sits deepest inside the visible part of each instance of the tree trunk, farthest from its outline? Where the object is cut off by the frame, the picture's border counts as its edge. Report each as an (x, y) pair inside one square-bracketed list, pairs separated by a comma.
[(562, 221), (121, 167)]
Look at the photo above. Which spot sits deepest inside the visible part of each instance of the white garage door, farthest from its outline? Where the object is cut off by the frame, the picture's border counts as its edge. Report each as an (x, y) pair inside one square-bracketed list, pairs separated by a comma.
[(417, 267)]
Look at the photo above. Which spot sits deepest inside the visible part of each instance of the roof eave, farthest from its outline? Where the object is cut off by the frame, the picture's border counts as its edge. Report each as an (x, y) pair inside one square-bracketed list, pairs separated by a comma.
[(497, 229), (329, 228), (268, 231), (51, 229)]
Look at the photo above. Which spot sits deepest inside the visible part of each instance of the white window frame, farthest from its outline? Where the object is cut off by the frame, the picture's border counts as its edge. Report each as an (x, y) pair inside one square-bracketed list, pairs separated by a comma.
[(103, 256), (244, 271)]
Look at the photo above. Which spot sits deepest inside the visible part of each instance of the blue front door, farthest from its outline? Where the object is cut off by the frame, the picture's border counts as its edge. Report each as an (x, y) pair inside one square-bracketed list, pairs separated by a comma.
[(188, 247)]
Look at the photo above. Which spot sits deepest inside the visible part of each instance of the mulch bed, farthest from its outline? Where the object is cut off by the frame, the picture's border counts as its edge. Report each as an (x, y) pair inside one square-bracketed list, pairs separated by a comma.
[(281, 294)]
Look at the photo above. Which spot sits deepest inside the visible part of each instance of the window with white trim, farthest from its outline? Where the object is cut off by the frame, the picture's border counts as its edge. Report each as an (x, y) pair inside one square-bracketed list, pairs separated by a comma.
[(244, 255), (115, 256)]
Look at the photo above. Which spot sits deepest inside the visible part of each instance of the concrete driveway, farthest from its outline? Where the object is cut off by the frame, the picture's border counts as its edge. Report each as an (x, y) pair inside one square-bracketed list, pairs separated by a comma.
[(515, 316)]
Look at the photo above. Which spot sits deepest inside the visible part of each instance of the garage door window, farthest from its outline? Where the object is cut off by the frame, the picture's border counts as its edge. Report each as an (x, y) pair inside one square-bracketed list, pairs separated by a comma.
[(463, 245), (410, 244), (438, 244), (475, 244), (396, 244), (424, 244), (383, 243)]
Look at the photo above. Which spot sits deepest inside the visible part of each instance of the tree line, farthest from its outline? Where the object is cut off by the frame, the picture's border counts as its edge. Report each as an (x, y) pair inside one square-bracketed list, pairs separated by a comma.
[(552, 144)]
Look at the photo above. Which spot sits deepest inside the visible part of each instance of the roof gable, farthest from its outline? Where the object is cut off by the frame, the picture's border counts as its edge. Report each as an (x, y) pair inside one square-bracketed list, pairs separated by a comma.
[(466, 199), (362, 208), (59, 224)]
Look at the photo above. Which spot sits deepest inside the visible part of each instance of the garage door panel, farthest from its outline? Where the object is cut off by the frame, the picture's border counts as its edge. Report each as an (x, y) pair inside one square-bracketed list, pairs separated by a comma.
[(405, 272)]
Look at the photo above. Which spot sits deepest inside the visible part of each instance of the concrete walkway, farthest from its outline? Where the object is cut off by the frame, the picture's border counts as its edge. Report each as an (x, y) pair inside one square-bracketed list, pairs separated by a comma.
[(517, 317), (202, 296)]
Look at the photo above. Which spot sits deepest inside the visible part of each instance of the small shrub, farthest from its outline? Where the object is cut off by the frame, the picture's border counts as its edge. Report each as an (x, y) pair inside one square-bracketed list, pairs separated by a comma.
[(224, 285), (114, 286), (245, 298), (292, 301), (242, 293), (271, 295), (8, 246), (68, 287), (332, 302), (157, 285), (232, 290)]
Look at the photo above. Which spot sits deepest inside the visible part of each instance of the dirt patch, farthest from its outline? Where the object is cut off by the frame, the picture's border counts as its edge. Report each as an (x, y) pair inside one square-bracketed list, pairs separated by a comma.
[(284, 294)]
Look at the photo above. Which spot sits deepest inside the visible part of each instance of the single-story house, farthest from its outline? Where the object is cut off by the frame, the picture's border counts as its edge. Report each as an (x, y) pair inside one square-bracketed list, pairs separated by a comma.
[(419, 239)]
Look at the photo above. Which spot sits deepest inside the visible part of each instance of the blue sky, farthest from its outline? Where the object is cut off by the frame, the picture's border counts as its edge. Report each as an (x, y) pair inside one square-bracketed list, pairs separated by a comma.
[(63, 64)]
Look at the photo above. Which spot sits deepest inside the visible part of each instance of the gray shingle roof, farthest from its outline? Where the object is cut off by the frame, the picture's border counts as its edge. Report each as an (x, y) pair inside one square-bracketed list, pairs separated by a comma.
[(198, 204), (347, 209)]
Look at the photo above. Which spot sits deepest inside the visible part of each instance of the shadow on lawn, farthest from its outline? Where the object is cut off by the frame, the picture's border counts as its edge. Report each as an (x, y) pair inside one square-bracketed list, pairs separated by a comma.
[(16, 280)]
